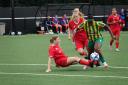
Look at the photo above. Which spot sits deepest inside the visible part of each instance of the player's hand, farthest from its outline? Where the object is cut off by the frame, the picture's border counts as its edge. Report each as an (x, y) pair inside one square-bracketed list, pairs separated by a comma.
[(123, 25), (120, 21), (69, 38), (48, 70)]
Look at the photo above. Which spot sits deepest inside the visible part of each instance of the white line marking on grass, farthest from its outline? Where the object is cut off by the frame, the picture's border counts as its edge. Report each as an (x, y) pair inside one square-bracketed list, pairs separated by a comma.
[(23, 64), (63, 75), (116, 67)]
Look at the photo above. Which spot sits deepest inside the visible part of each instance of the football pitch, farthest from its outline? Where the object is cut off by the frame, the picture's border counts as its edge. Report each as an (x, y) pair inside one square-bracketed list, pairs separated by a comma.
[(23, 61)]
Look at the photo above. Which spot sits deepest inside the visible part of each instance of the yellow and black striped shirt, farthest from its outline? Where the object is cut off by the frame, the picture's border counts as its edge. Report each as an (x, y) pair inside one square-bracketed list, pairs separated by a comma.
[(93, 31)]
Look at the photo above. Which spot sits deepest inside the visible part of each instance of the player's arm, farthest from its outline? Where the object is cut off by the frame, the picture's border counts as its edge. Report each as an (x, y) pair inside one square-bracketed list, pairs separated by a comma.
[(109, 21), (49, 65), (101, 24), (112, 36)]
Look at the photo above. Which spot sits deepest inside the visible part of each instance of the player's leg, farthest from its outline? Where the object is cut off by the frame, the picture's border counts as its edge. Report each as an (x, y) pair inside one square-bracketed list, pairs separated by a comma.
[(80, 47), (90, 49), (64, 28), (117, 40), (75, 60), (60, 27), (97, 48), (112, 41), (81, 51), (56, 27)]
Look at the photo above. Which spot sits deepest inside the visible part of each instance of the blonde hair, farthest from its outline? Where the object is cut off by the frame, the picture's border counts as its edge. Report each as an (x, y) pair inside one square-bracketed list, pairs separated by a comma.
[(80, 13), (114, 9)]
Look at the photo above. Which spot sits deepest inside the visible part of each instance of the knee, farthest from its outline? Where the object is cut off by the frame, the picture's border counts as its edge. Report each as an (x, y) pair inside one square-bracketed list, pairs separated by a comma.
[(80, 50), (117, 37), (76, 58)]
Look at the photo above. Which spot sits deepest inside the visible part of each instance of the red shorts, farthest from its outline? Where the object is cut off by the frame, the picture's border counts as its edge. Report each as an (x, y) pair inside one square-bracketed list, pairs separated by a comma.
[(62, 62), (116, 32), (81, 43)]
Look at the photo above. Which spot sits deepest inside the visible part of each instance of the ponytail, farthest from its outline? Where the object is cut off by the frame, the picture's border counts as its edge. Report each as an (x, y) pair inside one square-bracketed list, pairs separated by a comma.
[(53, 39), (81, 14)]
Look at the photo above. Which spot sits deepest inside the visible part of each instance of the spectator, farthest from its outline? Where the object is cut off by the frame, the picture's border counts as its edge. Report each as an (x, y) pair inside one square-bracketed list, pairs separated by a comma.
[(64, 23), (56, 25), (126, 19), (122, 16), (48, 25), (39, 27)]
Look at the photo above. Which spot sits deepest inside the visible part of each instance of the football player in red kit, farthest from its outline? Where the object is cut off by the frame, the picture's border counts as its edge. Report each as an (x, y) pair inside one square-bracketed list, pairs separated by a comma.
[(115, 22), (79, 36), (61, 60)]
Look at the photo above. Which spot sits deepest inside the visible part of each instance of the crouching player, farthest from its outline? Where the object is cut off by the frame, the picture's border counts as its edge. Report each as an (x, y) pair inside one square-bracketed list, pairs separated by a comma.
[(61, 60)]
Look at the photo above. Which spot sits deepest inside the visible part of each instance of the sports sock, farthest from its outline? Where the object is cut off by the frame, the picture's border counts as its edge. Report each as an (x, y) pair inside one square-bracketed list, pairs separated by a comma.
[(83, 62), (117, 44), (60, 29), (102, 59)]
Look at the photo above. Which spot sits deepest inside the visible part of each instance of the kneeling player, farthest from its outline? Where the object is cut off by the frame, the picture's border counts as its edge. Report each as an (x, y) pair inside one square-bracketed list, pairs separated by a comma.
[(61, 60)]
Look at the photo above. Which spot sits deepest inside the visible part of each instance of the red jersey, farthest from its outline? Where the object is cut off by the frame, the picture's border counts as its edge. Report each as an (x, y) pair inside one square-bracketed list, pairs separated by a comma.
[(80, 34), (56, 52), (114, 19)]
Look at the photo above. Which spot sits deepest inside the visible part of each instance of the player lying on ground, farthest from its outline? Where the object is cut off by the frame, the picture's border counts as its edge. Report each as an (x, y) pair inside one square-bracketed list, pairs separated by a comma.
[(95, 38), (61, 60)]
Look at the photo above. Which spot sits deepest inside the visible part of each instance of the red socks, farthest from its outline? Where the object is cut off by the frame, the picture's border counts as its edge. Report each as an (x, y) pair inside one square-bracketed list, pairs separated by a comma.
[(117, 44), (83, 62)]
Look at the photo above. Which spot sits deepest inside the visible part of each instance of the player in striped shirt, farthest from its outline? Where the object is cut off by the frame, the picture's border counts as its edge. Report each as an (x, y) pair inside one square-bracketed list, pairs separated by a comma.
[(94, 35)]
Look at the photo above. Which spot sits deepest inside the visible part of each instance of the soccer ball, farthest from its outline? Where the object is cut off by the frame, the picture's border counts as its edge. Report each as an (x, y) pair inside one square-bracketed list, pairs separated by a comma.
[(19, 33), (12, 33), (94, 56)]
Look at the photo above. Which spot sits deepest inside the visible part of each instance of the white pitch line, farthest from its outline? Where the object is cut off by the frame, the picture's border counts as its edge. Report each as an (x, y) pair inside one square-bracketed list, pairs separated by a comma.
[(23, 64), (63, 75), (116, 67)]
